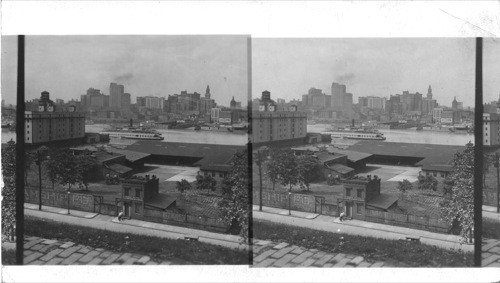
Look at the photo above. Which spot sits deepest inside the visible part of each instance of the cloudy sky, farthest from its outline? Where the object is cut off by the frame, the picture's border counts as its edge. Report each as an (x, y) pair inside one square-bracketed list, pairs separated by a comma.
[(67, 66), (379, 67)]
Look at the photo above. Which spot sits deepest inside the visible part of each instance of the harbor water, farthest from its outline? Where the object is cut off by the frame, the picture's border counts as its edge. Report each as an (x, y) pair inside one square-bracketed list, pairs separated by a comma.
[(412, 135), (221, 137)]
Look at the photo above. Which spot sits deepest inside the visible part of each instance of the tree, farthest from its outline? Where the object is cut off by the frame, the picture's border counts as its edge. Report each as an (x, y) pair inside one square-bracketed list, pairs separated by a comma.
[(183, 185), (9, 189), (288, 169), (63, 167), (236, 189), (309, 170), (86, 165), (459, 207), (427, 183), (207, 183), (272, 167), (404, 186)]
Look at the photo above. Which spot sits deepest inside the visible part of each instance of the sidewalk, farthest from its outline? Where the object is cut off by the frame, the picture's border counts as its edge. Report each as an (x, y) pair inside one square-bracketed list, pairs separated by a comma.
[(138, 227), (273, 254), (39, 251), (357, 227)]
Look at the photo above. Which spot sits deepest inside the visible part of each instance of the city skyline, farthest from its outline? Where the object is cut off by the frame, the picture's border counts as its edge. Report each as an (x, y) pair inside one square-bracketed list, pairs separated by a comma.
[(137, 62), (368, 67)]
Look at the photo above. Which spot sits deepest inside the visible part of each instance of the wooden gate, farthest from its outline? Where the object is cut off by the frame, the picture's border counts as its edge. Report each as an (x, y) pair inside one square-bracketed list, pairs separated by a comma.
[(318, 204)]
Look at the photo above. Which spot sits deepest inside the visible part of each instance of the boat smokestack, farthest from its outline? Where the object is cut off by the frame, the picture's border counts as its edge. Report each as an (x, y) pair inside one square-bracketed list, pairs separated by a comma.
[(353, 123), (131, 123)]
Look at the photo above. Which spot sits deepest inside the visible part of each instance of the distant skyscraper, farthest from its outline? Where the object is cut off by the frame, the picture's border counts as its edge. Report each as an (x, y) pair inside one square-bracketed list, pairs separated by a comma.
[(116, 92), (232, 104), (454, 103), (207, 92), (126, 101), (429, 92), (338, 94)]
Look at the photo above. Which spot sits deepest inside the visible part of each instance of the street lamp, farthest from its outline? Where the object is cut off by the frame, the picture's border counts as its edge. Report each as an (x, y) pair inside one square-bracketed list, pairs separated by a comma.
[(68, 199), (261, 150), (497, 165), (41, 156), (290, 202)]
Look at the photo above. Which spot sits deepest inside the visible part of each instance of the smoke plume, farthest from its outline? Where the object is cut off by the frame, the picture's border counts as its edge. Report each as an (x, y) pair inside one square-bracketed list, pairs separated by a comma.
[(345, 78)]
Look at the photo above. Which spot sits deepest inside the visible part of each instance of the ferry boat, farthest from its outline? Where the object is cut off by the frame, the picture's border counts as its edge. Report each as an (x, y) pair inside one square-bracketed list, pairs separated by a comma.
[(133, 134), (356, 134)]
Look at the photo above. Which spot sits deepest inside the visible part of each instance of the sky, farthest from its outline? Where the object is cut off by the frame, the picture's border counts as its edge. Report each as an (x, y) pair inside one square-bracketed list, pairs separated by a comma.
[(367, 66), (66, 66)]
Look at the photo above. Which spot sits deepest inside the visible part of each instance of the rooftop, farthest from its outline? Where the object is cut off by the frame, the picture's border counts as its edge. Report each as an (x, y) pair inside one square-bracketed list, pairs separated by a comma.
[(341, 168), (208, 153), (382, 201), (437, 167), (353, 156), (161, 201), (119, 168), (324, 157), (430, 153)]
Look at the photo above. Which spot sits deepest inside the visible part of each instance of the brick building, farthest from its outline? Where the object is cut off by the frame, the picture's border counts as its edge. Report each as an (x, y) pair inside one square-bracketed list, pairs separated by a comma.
[(359, 194), (140, 194)]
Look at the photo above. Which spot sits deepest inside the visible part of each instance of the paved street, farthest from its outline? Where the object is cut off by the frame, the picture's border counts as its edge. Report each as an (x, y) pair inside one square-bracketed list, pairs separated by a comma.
[(272, 254), (138, 227), (39, 251)]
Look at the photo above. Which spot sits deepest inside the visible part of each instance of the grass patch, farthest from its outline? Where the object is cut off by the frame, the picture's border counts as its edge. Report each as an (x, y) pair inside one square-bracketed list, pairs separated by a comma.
[(491, 229), (159, 249), (399, 253)]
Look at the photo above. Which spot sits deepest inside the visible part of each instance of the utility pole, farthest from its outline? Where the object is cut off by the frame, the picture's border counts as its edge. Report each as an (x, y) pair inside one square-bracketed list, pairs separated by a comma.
[(259, 162), (39, 163)]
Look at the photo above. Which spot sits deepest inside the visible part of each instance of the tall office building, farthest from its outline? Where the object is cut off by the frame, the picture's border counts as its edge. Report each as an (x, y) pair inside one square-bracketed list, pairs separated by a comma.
[(126, 101), (116, 93), (338, 94)]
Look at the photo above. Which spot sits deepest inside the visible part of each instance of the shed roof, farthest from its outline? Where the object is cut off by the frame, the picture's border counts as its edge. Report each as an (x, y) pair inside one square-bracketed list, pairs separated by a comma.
[(430, 153), (341, 168), (353, 156), (324, 157), (216, 167), (118, 168), (207, 153), (130, 155), (382, 201), (161, 201), (437, 167)]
